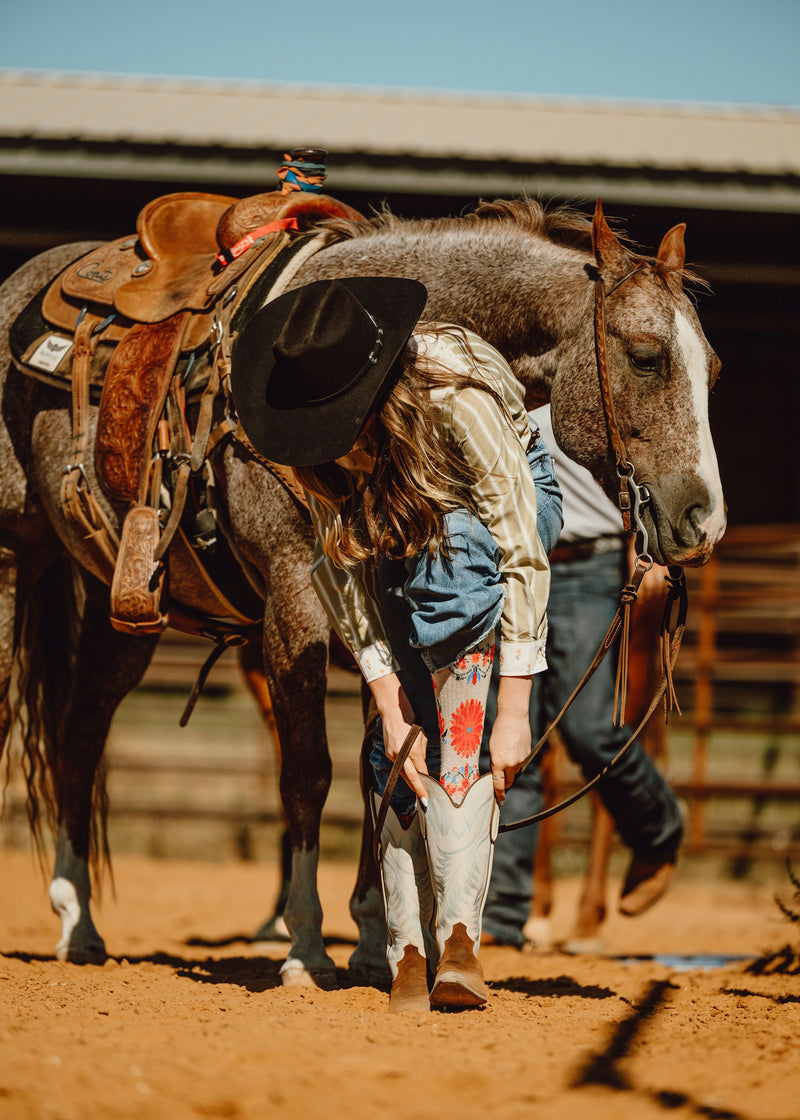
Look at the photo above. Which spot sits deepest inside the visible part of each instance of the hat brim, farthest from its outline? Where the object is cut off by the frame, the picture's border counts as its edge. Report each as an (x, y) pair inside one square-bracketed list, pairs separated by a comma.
[(320, 432)]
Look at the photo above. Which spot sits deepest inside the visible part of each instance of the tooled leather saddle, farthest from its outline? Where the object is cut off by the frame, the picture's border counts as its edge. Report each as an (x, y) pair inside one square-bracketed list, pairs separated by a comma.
[(145, 323)]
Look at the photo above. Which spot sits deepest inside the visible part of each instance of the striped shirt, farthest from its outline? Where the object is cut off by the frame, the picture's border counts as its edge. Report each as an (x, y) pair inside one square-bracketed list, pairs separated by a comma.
[(503, 499)]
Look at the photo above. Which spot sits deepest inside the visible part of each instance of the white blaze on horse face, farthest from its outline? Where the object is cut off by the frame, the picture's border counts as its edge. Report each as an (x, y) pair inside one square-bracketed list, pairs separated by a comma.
[(695, 357)]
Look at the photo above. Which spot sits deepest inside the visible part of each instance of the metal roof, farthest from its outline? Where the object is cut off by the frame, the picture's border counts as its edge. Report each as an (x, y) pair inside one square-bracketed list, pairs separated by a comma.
[(54, 123)]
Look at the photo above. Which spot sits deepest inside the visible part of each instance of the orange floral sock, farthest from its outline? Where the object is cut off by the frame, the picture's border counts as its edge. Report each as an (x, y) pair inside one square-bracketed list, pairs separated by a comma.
[(461, 691)]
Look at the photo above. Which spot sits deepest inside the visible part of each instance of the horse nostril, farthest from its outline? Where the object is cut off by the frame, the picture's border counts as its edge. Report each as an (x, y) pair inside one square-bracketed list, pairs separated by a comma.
[(689, 533), (697, 516)]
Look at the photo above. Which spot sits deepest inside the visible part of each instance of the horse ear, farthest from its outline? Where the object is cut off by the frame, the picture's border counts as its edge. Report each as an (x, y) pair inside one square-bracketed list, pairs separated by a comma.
[(612, 259), (672, 250)]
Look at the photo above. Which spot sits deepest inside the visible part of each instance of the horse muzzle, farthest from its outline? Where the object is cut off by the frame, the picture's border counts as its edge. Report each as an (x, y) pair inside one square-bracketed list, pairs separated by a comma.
[(684, 532)]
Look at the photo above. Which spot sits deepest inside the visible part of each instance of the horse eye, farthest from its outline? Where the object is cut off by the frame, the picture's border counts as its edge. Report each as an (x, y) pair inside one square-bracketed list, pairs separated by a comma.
[(645, 363)]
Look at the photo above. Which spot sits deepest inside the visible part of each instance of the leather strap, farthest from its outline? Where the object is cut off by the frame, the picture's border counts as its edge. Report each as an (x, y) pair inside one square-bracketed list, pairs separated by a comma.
[(394, 777), (79, 505), (623, 464), (671, 637), (220, 645), (179, 442), (225, 256)]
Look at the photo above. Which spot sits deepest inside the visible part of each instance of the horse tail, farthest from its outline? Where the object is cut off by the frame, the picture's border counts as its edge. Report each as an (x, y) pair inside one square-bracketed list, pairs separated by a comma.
[(49, 630)]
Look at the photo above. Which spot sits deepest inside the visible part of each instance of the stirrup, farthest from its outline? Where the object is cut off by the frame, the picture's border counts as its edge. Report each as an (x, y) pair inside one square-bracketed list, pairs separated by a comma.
[(136, 590)]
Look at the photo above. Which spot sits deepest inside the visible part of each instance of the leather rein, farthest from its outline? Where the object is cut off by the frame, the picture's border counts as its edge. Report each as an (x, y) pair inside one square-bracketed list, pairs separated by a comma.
[(631, 498)]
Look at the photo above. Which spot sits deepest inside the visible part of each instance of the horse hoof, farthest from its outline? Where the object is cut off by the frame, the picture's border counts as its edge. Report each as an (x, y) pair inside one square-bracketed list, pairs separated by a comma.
[(82, 954), (577, 946), (274, 929), (294, 974), (370, 976), (539, 932)]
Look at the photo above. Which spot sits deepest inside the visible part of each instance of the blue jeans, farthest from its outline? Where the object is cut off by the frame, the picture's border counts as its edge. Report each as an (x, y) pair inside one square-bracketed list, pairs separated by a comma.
[(583, 600), (436, 609)]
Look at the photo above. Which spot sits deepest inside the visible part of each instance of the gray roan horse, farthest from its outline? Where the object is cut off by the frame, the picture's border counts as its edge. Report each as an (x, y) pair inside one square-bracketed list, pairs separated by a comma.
[(519, 275)]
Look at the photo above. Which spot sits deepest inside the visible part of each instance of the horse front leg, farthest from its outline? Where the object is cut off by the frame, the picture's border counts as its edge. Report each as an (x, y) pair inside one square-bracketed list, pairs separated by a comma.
[(539, 925), (296, 660), (586, 937), (368, 965), (251, 662), (107, 666)]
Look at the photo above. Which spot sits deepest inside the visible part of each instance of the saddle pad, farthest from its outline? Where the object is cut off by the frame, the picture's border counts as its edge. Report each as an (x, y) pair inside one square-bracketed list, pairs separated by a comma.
[(135, 389), (45, 353)]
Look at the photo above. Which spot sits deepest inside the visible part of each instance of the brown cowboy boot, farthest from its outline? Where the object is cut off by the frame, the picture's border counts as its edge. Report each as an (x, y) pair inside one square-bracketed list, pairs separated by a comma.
[(460, 840), (409, 902), (646, 882)]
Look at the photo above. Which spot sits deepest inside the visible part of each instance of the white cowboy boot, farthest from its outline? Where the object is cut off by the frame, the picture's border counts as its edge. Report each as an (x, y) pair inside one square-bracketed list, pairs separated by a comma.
[(460, 841), (409, 902)]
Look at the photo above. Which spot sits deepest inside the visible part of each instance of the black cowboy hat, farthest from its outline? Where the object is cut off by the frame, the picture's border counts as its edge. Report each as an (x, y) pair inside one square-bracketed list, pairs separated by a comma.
[(308, 368)]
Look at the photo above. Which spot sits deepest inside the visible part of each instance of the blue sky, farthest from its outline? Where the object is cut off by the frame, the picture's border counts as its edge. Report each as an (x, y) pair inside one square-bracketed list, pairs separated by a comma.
[(725, 51)]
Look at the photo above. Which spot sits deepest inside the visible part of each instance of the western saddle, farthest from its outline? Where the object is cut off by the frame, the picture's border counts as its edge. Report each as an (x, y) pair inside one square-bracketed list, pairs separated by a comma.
[(147, 322)]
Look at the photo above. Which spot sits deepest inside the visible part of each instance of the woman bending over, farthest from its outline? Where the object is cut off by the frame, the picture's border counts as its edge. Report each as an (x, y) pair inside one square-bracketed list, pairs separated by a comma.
[(435, 505)]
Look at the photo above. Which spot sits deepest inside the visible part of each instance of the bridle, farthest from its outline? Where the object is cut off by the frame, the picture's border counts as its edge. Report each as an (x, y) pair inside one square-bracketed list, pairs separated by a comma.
[(629, 488), (632, 499)]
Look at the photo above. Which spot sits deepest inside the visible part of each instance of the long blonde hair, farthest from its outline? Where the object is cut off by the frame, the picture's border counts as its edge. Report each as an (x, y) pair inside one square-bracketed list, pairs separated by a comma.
[(417, 477)]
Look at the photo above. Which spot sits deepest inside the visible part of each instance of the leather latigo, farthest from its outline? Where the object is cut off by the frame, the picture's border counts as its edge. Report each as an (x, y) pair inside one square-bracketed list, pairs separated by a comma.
[(136, 386)]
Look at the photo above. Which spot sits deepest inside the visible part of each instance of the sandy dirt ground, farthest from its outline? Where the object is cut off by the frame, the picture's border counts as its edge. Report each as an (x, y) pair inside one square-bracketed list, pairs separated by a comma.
[(189, 1020)]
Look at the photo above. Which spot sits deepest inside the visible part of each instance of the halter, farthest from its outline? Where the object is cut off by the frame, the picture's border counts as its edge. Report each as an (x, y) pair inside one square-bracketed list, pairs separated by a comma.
[(625, 471)]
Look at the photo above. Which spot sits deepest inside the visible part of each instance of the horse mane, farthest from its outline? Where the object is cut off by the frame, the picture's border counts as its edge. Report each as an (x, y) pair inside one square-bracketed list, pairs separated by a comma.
[(562, 225)]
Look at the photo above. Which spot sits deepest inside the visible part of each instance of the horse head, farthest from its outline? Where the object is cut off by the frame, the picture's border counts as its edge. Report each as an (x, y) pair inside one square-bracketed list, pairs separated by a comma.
[(661, 369), (523, 277)]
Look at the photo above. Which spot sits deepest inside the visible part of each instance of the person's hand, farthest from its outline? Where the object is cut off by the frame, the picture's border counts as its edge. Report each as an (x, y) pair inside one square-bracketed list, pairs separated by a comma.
[(509, 746), (394, 735), (397, 718), (510, 741)]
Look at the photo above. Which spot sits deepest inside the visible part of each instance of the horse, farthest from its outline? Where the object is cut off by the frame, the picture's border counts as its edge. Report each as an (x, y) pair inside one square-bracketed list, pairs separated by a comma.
[(524, 277)]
